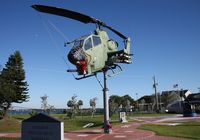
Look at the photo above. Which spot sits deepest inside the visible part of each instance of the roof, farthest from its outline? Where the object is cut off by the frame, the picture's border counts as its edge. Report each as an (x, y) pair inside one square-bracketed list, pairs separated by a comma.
[(41, 118), (194, 97), (175, 91)]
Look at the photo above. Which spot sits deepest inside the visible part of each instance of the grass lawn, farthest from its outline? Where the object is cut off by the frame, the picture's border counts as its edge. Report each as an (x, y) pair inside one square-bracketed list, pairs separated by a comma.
[(186, 129), (10, 125), (79, 121), (13, 124)]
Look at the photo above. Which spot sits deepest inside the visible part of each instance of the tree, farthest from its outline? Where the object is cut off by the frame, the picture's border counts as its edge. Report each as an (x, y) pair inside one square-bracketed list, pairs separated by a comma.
[(50, 109), (70, 104), (147, 98), (113, 107), (116, 101), (13, 87), (148, 101), (74, 105), (128, 105), (127, 100), (80, 103), (93, 105), (45, 106)]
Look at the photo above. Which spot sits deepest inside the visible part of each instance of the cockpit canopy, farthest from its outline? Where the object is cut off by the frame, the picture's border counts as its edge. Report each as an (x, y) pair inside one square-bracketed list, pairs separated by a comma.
[(87, 42), (83, 44)]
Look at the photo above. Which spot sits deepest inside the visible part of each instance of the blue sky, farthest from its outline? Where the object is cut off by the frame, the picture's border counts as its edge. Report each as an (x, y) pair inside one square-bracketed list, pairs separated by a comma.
[(165, 37)]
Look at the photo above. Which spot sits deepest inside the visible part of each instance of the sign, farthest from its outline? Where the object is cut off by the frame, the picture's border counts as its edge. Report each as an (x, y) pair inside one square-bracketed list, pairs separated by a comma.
[(42, 127), (122, 117)]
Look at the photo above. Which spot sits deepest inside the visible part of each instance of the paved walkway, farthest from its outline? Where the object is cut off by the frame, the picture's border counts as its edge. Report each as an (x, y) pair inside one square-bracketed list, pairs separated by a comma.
[(125, 131), (162, 119), (120, 132)]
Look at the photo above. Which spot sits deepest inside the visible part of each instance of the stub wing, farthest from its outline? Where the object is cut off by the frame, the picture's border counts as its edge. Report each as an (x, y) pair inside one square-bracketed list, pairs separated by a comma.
[(121, 56)]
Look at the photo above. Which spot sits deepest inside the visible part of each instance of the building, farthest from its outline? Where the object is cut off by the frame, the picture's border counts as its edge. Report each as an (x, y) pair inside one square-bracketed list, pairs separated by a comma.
[(191, 99)]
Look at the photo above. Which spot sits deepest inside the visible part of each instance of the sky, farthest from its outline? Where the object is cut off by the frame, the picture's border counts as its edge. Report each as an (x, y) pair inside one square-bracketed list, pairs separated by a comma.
[(165, 41)]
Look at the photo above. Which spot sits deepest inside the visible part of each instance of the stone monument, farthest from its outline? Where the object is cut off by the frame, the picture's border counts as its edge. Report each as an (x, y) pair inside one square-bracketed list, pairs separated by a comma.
[(42, 127)]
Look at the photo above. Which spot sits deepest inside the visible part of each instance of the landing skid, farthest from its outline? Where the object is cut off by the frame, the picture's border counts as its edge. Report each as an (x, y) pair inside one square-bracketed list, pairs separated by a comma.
[(112, 68), (83, 77), (114, 73)]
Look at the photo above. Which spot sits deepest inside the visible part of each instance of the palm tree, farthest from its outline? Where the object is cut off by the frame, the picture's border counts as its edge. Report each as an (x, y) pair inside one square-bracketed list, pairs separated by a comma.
[(80, 103), (93, 105)]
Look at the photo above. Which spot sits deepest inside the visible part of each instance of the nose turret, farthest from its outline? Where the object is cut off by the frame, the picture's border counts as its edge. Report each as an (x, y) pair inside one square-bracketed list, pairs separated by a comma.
[(76, 54), (77, 57)]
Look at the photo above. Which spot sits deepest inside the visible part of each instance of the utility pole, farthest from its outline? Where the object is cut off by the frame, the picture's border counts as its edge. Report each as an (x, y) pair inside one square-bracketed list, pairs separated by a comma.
[(156, 95)]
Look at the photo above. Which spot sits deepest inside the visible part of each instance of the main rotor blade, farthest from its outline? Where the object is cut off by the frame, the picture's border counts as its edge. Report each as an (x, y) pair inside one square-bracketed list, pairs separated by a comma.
[(115, 31), (74, 15), (63, 12)]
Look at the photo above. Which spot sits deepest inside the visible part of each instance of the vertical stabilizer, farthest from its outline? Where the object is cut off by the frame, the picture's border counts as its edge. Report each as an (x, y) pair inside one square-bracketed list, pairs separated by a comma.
[(128, 46)]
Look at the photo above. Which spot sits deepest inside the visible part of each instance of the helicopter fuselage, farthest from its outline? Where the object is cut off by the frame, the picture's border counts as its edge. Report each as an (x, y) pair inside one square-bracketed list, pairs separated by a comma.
[(94, 52)]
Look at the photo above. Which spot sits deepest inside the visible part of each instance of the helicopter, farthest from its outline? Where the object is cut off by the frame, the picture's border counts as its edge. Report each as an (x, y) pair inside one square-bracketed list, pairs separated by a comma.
[(95, 52)]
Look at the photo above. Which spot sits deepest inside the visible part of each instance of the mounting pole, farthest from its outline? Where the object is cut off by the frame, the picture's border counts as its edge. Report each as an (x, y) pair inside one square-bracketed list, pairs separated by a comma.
[(107, 128)]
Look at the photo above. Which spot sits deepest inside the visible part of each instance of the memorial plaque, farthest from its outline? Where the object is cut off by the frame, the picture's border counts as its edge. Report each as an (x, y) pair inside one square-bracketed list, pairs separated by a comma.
[(42, 127), (122, 117)]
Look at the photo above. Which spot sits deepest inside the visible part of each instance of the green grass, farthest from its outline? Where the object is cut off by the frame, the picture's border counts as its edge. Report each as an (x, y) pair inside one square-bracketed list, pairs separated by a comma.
[(186, 129), (79, 122), (21, 117), (13, 124), (10, 125)]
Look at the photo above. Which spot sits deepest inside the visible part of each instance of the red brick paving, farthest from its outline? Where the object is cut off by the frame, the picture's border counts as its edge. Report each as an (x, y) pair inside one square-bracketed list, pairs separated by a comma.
[(10, 135), (125, 131), (120, 132)]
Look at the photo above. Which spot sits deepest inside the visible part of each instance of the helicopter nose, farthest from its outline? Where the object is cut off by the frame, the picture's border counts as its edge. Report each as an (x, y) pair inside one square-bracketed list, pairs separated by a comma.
[(75, 55)]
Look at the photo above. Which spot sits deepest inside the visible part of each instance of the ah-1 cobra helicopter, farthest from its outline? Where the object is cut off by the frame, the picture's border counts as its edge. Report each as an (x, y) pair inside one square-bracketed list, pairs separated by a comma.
[(95, 52)]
